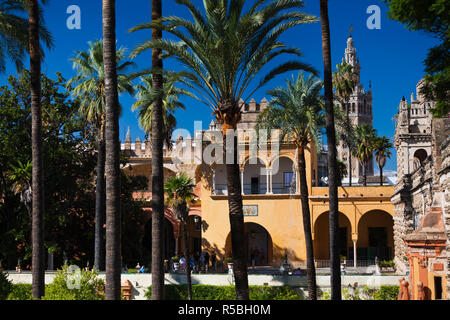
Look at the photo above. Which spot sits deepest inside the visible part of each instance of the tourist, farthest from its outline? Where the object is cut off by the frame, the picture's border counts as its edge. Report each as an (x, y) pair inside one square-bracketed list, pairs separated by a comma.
[(142, 270), (213, 260), (202, 261), (192, 265), (182, 263), (206, 261)]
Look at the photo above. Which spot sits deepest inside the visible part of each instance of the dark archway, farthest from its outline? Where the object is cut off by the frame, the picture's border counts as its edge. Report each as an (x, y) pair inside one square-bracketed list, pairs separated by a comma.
[(375, 236), (258, 243), (322, 237), (168, 243)]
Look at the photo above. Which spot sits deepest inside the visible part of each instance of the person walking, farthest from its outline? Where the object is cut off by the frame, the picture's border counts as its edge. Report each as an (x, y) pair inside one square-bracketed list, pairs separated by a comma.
[(206, 261), (213, 260)]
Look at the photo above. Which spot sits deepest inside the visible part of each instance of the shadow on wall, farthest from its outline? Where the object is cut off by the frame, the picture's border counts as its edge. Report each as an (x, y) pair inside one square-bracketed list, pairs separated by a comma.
[(277, 256)]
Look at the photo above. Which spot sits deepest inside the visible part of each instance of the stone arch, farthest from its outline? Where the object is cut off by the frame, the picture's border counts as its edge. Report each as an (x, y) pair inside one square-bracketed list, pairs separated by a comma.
[(375, 235), (284, 177), (322, 236), (419, 157), (256, 236), (254, 177)]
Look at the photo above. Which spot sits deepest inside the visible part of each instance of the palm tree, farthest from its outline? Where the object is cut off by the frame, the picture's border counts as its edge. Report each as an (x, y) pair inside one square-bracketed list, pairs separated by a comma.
[(344, 82), (20, 176), (14, 34), (179, 192), (157, 137), (112, 163), (296, 111), (332, 159), (170, 94), (382, 152), (37, 224), (90, 90), (224, 50), (365, 137)]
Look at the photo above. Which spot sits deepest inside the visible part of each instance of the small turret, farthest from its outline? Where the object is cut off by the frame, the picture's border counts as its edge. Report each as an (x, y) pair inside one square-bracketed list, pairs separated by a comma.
[(128, 140)]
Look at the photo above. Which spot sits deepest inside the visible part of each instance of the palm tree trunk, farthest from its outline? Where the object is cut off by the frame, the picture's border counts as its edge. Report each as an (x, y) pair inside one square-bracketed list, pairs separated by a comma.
[(157, 167), (381, 175), (332, 165), (112, 147), (186, 255), (349, 151), (100, 196), (364, 174), (310, 268), (236, 215), (37, 233)]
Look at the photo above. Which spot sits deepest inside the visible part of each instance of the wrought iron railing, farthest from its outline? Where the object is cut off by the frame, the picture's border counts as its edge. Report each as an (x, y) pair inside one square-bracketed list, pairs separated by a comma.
[(277, 188)]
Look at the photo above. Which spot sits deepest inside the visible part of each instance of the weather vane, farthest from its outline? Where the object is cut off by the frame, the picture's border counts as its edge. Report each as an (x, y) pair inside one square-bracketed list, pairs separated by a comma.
[(350, 30)]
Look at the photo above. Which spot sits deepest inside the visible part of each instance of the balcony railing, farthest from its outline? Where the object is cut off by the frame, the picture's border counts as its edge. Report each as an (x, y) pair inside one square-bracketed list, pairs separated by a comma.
[(277, 188)]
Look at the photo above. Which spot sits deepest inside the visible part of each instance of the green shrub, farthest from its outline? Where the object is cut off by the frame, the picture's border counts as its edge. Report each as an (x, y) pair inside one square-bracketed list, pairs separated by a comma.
[(387, 293), (211, 292), (382, 293), (21, 291), (91, 287), (387, 264), (5, 285), (273, 293)]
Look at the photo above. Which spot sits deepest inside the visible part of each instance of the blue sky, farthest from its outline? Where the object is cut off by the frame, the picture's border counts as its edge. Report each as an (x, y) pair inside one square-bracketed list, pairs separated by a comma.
[(391, 57)]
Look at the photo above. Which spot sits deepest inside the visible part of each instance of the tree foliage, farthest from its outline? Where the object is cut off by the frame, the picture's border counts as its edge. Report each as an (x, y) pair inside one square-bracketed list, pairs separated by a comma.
[(431, 16)]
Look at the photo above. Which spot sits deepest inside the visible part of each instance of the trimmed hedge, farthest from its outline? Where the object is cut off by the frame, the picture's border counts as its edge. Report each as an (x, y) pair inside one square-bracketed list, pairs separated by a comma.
[(383, 293), (5, 285), (21, 291), (211, 292), (387, 293)]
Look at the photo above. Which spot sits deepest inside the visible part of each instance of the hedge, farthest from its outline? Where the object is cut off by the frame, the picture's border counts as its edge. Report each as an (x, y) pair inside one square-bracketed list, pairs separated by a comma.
[(211, 292)]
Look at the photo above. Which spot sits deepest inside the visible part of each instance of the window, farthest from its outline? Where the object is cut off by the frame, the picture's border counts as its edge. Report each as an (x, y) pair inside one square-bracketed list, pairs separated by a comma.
[(288, 179)]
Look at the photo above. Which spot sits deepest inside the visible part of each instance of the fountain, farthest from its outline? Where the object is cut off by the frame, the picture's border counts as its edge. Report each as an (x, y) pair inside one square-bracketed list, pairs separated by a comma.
[(377, 267)]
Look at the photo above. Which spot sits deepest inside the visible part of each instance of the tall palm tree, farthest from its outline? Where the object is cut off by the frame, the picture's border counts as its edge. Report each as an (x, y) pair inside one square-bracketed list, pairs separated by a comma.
[(382, 151), (157, 137), (37, 224), (179, 192), (112, 163), (365, 139), (14, 34), (332, 159), (344, 82), (296, 110), (89, 88), (224, 50), (170, 95)]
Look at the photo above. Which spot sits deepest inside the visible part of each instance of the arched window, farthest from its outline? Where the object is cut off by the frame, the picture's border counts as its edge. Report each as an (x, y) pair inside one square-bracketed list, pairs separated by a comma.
[(419, 157)]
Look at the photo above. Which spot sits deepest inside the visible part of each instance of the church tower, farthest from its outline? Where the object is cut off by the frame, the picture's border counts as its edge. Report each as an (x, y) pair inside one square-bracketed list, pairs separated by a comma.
[(360, 110)]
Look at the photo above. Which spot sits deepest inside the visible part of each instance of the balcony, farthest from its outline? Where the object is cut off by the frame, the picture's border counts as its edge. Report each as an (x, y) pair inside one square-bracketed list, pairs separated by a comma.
[(277, 188)]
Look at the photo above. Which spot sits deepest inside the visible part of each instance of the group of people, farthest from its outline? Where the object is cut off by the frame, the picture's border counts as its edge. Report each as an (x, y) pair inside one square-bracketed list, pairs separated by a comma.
[(257, 256), (200, 262)]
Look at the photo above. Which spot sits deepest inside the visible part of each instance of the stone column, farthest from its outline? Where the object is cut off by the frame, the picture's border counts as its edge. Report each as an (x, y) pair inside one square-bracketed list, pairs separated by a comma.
[(213, 181), (267, 180), (355, 258), (270, 181), (242, 180)]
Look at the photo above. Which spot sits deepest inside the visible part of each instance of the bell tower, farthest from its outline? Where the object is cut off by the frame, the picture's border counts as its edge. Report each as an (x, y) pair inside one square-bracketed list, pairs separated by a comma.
[(360, 108)]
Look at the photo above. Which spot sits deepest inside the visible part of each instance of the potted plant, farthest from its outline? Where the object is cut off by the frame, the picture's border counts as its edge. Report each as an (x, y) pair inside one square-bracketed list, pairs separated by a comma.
[(387, 266), (176, 263), (19, 265), (229, 261), (285, 267)]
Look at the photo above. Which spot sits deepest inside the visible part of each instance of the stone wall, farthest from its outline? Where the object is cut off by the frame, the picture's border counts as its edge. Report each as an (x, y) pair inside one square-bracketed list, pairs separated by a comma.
[(443, 174)]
